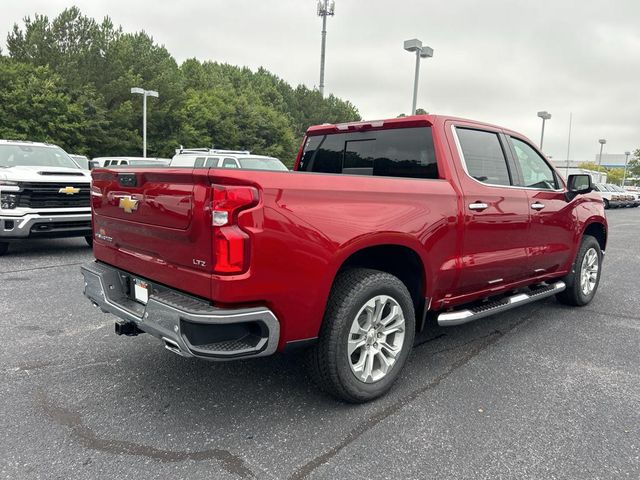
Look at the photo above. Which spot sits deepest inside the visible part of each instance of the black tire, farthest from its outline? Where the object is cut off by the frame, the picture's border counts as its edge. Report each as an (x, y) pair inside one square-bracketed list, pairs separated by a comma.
[(574, 293), (4, 248), (89, 240), (606, 203), (329, 361)]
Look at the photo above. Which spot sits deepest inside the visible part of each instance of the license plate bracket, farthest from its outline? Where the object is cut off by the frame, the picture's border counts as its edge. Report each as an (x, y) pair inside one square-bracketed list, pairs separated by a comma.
[(140, 291)]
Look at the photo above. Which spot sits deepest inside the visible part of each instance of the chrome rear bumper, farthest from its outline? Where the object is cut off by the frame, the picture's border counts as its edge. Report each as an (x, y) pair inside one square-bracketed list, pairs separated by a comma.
[(187, 325)]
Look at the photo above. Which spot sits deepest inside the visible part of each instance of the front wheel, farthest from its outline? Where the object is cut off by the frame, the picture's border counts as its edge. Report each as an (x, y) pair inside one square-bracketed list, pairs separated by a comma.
[(89, 240), (606, 204), (366, 336), (582, 282), (4, 248)]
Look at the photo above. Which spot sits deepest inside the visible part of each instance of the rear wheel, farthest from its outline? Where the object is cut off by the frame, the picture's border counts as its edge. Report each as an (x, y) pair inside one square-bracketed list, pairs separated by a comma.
[(582, 282), (89, 240), (4, 247), (366, 336), (606, 204)]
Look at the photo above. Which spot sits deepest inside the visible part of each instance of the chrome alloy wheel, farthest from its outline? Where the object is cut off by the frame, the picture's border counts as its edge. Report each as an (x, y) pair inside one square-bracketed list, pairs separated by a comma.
[(376, 338), (589, 271)]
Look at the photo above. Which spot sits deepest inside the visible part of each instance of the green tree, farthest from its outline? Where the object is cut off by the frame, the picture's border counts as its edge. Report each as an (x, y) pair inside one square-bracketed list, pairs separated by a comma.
[(614, 175), (81, 72), (592, 166), (633, 168), (34, 106)]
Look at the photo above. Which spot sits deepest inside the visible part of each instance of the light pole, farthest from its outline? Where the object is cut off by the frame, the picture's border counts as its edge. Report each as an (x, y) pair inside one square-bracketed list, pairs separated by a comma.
[(325, 9), (145, 94), (602, 141), (415, 45), (626, 161), (544, 115)]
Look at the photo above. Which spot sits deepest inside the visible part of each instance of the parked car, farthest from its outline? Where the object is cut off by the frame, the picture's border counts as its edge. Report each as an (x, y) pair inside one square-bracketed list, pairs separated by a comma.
[(630, 199), (133, 161), (43, 194), (381, 223), (610, 199), (80, 160), (205, 157)]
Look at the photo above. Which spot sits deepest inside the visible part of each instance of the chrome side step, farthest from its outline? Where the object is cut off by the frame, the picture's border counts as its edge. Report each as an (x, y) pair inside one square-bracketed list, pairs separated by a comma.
[(458, 317)]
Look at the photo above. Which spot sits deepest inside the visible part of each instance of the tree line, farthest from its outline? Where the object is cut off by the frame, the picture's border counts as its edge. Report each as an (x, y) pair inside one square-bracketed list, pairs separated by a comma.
[(67, 81)]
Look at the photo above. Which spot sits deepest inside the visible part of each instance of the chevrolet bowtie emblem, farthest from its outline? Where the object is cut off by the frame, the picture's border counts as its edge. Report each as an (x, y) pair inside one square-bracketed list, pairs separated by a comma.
[(69, 190), (128, 204)]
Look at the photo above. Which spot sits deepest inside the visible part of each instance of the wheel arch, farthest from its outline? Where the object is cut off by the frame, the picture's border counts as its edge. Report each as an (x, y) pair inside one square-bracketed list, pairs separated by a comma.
[(598, 230), (399, 260)]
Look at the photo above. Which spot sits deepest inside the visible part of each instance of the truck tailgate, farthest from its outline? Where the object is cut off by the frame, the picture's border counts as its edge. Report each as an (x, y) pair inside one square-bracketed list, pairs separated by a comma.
[(156, 223)]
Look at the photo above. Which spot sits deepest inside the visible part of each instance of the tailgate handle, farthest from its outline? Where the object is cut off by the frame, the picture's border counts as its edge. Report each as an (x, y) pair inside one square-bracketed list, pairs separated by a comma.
[(127, 179)]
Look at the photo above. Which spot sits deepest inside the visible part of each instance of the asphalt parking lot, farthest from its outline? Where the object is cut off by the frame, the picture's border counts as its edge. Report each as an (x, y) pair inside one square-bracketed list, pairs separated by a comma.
[(545, 391)]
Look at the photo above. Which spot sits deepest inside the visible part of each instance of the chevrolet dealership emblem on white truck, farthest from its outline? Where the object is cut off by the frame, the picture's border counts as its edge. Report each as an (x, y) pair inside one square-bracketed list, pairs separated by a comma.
[(69, 190)]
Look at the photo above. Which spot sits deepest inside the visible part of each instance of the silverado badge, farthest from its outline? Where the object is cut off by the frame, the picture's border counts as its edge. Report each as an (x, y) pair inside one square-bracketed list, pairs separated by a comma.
[(69, 190), (128, 204)]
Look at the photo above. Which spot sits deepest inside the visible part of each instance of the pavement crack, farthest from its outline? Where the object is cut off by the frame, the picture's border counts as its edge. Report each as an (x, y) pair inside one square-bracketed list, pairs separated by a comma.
[(481, 344), (89, 439)]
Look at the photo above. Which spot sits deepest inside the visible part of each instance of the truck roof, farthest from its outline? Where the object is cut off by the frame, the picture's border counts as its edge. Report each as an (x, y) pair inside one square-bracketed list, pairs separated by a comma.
[(399, 122), (25, 142)]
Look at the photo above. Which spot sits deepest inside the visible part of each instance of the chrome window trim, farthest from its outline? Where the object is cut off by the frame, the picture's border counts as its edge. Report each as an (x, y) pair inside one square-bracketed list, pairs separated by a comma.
[(464, 162)]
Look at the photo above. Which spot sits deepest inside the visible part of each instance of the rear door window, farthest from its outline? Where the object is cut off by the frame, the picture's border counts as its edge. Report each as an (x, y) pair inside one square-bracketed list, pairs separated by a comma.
[(484, 156), (401, 152)]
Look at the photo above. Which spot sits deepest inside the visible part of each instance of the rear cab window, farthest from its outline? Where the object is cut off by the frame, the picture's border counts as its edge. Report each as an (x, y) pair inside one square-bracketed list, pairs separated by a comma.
[(399, 152)]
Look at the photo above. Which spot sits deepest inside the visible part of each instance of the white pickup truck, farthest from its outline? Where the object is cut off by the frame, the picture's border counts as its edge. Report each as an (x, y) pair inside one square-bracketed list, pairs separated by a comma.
[(43, 194)]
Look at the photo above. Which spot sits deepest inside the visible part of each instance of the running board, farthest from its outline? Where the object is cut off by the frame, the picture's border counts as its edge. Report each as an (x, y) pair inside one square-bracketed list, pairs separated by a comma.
[(458, 317)]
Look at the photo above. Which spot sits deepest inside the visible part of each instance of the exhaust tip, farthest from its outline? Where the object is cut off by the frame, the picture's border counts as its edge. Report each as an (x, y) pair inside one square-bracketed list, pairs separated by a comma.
[(172, 346)]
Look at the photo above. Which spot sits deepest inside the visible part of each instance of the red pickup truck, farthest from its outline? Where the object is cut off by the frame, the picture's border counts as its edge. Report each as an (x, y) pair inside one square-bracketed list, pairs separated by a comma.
[(380, 223)]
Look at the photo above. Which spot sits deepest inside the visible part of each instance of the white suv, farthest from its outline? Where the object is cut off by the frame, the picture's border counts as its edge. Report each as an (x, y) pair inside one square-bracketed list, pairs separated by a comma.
[(211, 158), (43, 193)]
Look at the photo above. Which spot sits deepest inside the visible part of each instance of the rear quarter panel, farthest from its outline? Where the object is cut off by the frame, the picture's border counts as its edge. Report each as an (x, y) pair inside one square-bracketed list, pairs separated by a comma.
[(308, 224)]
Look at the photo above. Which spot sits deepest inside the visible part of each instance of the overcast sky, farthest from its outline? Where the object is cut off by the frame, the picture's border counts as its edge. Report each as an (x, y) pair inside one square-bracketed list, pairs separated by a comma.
[(499, 61)]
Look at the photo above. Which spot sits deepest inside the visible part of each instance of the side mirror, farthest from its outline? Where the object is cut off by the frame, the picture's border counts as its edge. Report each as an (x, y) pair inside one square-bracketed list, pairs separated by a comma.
[(578, 185), (92, 164)]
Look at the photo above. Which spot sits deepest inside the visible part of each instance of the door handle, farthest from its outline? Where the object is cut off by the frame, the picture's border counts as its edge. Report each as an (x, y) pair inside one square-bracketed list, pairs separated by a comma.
[(478, 206), (537, 206)]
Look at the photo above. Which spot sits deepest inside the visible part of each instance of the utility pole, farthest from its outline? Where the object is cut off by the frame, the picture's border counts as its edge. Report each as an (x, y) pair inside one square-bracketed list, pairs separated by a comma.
[(325, 9)]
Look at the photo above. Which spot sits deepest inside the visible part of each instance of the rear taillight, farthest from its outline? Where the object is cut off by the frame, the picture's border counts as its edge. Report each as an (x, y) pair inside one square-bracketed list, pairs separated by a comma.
[(230, 242)]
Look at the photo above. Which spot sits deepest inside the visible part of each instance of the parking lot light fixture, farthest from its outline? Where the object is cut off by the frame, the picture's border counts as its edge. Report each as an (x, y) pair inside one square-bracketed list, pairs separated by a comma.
[(626, 161), (602, 141), (544, 115), (415, 45), (145, 94)]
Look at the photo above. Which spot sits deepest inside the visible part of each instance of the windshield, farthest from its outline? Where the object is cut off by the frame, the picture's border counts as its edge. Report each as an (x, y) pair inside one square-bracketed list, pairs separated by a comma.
[(262, 163), (34, 156), (81, 161)]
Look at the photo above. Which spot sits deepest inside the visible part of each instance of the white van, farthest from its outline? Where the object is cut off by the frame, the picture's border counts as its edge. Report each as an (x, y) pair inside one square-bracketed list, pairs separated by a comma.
[(211, 158), (131, 161)]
